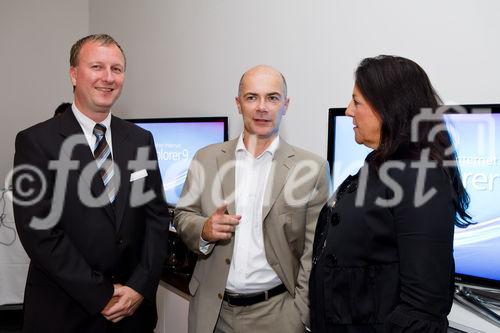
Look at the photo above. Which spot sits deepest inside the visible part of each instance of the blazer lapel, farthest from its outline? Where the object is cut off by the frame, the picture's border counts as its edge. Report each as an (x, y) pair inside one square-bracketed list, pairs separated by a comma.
[(82, 152), (283, 162), (226, 164), (121, 158)]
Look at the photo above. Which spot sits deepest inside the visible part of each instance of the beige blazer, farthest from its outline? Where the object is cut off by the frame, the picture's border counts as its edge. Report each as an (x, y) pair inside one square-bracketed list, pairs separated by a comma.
[(298, 187)]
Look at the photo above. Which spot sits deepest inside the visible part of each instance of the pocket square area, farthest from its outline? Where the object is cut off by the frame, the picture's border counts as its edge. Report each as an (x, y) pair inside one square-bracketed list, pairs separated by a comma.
[(138, 175)]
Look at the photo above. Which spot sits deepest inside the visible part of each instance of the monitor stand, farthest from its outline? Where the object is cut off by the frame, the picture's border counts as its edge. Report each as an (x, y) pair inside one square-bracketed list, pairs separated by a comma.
[(479, 301)]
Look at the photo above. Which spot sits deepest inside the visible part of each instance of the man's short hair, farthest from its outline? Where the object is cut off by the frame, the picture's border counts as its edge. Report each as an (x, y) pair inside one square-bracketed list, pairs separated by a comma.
[(102, 39)]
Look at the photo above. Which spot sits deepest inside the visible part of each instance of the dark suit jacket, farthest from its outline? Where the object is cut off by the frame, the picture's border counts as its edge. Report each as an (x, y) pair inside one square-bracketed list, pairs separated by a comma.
[(385, 269), (75, 263)]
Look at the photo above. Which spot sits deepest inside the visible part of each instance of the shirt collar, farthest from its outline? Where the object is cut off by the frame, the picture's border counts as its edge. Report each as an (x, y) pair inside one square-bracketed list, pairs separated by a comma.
[(87, 123), (271, 149)]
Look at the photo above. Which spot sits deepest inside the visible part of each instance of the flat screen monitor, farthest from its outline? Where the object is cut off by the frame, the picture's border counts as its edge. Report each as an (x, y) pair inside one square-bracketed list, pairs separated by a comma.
[(475, 130), (177, 140)]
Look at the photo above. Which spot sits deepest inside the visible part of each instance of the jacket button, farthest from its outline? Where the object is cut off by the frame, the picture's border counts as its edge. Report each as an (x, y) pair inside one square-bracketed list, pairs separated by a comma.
[(335, 219), (331, 260), (120, 241), (219, 295), (228, 261)]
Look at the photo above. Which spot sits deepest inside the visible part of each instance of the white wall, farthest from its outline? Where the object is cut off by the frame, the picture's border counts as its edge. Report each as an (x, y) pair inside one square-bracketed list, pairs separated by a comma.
[(35, 38), (185, 57)]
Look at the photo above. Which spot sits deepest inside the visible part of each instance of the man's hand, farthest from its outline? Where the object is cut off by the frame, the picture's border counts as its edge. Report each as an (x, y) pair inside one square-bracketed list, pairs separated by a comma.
[(220, 225), (124, 302)]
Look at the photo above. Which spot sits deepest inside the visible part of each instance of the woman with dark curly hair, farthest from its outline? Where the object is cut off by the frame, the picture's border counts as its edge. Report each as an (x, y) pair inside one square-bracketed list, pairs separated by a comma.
[(383, 249)]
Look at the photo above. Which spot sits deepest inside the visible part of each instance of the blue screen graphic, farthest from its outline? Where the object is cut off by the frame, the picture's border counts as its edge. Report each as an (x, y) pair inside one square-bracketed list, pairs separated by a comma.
[(478, 149), (176, 143), (477, 141)]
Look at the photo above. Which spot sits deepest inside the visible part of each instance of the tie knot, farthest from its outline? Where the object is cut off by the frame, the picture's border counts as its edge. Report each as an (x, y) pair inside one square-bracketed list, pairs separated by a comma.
[(99, 130)]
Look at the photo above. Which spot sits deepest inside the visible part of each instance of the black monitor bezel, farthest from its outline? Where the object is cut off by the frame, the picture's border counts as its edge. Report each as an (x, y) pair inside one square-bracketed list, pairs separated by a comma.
[(216, 119), (464, 279)]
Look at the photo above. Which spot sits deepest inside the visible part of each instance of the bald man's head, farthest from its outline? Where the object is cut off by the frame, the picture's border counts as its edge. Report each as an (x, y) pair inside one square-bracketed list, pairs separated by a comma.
[(262, 69), (262, 102)]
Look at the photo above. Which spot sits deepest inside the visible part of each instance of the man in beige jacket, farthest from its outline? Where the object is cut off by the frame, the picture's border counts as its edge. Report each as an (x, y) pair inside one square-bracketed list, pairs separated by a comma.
[(249, 208)]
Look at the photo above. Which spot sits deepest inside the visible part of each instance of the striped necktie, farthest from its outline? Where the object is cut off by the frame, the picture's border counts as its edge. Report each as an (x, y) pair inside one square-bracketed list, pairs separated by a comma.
[(104, 160)]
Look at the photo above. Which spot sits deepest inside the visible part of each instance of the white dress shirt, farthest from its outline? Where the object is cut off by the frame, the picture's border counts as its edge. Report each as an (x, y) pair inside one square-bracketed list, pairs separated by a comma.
[(249, 271), (88, 125)]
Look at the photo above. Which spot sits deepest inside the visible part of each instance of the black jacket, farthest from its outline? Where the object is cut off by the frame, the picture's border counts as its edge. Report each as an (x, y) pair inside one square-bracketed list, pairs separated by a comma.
[(385, 269), (75, 263)]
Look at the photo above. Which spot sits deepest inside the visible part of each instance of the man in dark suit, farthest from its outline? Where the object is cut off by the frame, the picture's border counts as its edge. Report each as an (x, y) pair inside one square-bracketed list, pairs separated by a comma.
[(89, 207)]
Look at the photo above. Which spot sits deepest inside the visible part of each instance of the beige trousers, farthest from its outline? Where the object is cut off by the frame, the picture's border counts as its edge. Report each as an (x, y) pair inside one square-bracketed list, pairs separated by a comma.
[(277, 314)]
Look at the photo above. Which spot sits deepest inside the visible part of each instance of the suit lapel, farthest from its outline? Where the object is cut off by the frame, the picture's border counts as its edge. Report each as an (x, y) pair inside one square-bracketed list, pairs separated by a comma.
[(283, 162), (121, 158), (226, 166), (226, 163), (69, 126)]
